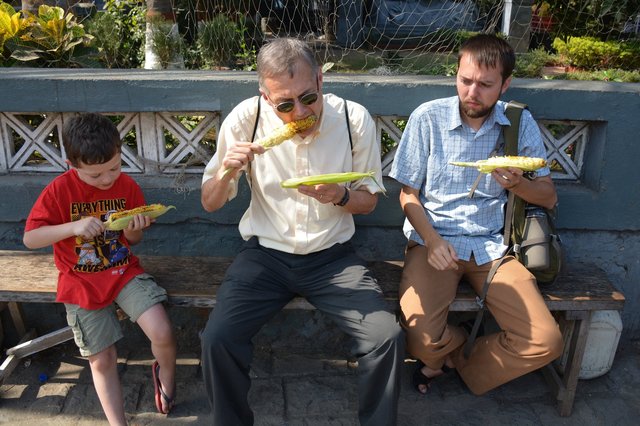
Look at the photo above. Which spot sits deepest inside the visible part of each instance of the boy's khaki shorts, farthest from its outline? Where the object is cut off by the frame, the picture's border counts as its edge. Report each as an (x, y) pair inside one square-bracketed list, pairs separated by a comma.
[(94, 330)]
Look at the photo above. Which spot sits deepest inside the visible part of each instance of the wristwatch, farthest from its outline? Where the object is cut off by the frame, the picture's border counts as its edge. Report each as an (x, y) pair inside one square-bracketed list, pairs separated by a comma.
[(345, 198)]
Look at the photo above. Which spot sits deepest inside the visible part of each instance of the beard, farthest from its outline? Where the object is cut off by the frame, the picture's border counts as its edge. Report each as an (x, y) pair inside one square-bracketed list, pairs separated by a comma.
[(475, 113)]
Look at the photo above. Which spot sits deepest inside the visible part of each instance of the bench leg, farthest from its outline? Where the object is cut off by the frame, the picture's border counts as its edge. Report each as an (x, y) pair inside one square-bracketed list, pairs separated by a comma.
[(3, 305), (565, 386), (12, 361), (17, 317)]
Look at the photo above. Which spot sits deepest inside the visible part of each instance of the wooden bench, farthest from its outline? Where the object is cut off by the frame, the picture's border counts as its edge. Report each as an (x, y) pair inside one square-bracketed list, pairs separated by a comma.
[(29, 277)]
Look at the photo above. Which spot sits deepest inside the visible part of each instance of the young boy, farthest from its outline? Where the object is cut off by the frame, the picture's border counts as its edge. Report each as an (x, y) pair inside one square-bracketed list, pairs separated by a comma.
[(97, 268)]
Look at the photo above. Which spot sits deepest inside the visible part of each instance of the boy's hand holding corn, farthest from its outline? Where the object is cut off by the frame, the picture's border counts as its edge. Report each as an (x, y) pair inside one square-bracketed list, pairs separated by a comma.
[(139, 222), (87, 228)]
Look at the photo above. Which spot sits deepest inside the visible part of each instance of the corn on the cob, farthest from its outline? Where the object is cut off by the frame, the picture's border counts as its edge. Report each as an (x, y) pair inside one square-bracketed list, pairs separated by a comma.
[(286, 132), (120, 220), (283, 133), (328, 178), (528, 164)]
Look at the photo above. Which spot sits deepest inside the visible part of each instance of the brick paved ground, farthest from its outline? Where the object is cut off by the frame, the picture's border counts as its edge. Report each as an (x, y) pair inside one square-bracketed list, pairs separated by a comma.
[(304, 389)]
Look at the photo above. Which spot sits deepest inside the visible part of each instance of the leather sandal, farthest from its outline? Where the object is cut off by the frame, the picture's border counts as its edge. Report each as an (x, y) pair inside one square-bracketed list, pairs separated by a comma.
[(420, 379)]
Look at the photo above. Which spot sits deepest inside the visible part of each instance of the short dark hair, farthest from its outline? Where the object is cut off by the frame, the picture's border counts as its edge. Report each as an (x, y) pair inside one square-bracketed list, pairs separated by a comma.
[(489, 50), (90, 138), (282, 56)]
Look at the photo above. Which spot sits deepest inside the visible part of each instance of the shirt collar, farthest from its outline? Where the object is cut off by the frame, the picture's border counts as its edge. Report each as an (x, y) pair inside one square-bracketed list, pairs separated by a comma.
[(497, 115), (455, 120)]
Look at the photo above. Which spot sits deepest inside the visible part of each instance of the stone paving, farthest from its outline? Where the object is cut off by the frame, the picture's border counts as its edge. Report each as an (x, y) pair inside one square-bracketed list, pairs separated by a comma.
[(54, 387)]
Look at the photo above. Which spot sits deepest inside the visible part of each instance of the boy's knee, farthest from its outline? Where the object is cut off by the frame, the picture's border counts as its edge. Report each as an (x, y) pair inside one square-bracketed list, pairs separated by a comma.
[(104, 360), (163, 334)]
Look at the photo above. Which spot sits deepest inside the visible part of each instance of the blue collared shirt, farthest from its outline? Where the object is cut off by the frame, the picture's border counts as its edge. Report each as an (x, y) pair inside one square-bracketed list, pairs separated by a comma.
[(434, 136)]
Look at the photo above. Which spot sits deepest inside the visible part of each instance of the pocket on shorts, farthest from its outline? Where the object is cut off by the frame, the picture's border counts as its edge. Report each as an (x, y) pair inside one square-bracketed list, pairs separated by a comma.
[(78, 335), (151, 287), (140, 294)]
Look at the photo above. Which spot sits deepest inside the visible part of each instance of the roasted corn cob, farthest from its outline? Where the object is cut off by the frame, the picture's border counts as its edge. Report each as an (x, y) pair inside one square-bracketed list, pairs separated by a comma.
[(283, 133), (328, 178), (120, 220), (528, 164), (286, 132)]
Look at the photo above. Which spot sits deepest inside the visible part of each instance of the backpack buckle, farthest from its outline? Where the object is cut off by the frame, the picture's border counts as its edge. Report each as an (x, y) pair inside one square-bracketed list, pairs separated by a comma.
[(480, 302)]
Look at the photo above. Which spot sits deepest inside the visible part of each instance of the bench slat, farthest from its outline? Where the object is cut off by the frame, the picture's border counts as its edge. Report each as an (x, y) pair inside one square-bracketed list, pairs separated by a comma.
[(193, 281)]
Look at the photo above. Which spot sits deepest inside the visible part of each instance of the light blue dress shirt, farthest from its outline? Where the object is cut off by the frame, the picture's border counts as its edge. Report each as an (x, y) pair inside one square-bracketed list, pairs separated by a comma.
[(435, 136)]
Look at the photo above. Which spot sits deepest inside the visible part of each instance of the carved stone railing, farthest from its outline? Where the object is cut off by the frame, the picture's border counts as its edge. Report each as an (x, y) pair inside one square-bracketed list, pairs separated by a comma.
[(182, 142)]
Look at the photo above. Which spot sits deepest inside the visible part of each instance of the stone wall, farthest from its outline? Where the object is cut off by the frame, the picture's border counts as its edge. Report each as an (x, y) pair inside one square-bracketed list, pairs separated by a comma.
[(598, 213)]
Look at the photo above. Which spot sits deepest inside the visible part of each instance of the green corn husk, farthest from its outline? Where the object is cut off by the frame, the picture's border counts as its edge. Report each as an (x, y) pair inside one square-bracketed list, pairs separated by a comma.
[(120, 220), (328, 178)]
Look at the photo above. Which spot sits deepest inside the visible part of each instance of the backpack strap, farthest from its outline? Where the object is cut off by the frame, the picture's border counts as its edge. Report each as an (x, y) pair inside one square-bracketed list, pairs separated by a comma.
[(513, 113), (480, 302)]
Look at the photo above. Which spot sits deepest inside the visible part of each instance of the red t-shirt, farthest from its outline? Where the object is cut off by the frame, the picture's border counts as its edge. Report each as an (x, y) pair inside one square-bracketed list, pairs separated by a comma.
[(91, 272)]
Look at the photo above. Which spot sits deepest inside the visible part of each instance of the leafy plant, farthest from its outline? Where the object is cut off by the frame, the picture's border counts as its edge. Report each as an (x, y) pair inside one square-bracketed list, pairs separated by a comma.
[(219, 41), (589, 17), (530, 64), (247, 57), (590, 53), (615, 75), (119, 33), (54, 39), (166, 43), (12, 26), (387, 143)]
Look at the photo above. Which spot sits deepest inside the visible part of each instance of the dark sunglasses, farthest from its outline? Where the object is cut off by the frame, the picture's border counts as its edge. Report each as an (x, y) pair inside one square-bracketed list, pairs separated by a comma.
[(306, 99)]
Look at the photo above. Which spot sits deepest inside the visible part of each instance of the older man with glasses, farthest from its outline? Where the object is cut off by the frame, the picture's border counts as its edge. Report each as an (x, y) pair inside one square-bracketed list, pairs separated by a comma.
[(297, 240)]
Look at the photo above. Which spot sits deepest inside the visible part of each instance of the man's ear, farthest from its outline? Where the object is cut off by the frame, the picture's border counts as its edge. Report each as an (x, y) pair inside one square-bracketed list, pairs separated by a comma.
[(320, 79), (505, 85)]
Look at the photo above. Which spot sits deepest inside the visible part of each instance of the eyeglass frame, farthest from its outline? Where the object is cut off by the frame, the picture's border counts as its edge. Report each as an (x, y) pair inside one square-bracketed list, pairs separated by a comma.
[(292, 102)]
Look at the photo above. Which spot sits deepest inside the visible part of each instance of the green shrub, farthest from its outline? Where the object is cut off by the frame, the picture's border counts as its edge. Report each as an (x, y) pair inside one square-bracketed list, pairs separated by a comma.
[(616, 75), (119, 33), (219, 41), (530, 64), (591, 54), (166, 43)]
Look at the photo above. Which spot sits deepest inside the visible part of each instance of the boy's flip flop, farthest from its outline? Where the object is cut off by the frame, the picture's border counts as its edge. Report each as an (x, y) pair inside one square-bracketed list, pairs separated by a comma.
[(159, 393)]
